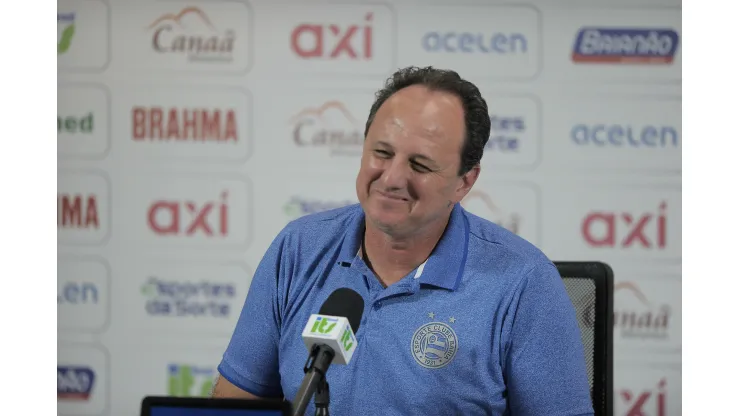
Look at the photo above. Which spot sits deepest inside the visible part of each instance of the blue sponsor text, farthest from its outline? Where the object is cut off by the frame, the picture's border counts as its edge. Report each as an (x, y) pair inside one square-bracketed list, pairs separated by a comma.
[(465, 42), (617, 135), (613, 45), (74, 383), (506, 133)]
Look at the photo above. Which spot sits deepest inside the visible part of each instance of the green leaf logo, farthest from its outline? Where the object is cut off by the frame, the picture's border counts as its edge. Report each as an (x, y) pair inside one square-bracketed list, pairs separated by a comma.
[(66, 41), (292, 208), (148, 289)]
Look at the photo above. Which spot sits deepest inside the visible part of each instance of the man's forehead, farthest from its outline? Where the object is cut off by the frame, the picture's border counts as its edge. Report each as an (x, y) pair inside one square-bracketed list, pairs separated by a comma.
[(424, 104), (399, 135), (426, 110)]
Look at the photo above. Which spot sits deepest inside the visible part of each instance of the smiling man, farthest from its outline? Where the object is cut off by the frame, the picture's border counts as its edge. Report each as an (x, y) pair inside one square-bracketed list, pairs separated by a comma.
[(461, 316)]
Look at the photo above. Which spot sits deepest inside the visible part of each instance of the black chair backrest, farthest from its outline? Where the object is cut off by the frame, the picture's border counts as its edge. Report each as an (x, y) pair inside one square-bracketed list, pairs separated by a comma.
[(590, 286)]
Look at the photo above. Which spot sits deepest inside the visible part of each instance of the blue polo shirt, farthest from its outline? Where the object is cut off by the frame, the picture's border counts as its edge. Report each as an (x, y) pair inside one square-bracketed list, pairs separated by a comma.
[(483, 327)]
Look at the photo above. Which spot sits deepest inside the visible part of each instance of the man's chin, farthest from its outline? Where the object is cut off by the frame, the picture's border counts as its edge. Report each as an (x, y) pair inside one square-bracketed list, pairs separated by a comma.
[(383, 209), (384, 217)]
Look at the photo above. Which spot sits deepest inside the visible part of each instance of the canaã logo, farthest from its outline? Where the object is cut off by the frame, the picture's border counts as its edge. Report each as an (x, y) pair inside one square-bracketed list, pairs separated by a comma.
[(329, 125), (196, 38), (481, 204)]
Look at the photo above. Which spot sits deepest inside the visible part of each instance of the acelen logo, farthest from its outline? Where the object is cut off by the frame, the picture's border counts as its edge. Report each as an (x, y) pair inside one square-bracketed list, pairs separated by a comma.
[(184, 124), (77, 211), (334, 40), (643, 230), (331, 125), (494, 43), (625, 135), (599, 45), (77, 293), (191, 33), (190, 218)]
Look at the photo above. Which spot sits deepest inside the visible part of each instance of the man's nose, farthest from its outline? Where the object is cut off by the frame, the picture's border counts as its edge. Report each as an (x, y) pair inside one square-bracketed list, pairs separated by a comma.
[(395, 175)]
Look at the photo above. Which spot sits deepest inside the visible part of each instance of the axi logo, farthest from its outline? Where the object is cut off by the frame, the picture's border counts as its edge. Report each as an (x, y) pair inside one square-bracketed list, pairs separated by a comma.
[(323, 325), (190, 381), (65, 24), (625, 229), (333, 41), (77, 211), (600, 45), (637, 317), (74, 383), (506, 133), (191, 33), (184, 124), (188, 218), (638, 403), (330, 125), (297, 207), (481, 204), (187, 299)]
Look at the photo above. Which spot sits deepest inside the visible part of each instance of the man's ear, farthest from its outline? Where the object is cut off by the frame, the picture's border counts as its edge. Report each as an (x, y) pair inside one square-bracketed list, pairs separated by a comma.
[(466, 183)]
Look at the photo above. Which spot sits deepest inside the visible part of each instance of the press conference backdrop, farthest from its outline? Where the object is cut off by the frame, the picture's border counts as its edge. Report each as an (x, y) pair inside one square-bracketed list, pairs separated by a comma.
[(190, 133)]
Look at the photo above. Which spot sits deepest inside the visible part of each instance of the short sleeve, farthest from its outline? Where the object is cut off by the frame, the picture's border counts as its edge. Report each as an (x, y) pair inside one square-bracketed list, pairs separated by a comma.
[(544, 362), (250, 361)]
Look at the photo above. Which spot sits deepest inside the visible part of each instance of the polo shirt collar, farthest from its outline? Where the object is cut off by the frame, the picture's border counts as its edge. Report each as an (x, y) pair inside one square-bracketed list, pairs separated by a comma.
[(444, 267)]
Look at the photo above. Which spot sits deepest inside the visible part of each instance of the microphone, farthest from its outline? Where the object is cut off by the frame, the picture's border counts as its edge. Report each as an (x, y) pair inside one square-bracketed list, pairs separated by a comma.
[(330, 339)]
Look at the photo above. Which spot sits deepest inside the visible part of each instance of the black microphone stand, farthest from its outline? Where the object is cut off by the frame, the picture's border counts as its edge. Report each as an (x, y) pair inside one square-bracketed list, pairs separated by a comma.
[(321, 399), (314, 379)]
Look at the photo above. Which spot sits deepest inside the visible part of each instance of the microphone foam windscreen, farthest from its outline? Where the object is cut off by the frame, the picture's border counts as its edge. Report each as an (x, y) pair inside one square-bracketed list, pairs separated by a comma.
[(347, 303)]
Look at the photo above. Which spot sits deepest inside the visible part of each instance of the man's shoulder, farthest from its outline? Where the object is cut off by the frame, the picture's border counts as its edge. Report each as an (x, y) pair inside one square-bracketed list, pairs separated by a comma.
[(322, 228), (501, 251)]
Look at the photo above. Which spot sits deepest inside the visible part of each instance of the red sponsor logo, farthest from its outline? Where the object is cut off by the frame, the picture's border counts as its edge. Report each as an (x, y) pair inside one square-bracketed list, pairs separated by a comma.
[(333, 41), (641, 403), (625, 229), (77, 211), (189, 218), (183, 124), (644, 321)]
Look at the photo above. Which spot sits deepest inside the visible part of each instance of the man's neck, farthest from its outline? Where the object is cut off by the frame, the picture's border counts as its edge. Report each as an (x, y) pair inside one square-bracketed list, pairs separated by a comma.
[(391, 258)]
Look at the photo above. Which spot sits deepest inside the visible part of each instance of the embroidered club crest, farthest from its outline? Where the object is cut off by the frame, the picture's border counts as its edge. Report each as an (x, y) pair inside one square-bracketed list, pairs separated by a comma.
[(434, 344)]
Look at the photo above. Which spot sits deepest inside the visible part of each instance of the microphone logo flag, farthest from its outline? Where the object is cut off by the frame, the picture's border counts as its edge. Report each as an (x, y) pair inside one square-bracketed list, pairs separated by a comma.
[(323, 325), (348, 338), (333, 331)]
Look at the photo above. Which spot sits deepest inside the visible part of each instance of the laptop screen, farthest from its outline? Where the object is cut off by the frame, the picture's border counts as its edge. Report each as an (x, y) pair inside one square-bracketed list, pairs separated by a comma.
[(190, 411)]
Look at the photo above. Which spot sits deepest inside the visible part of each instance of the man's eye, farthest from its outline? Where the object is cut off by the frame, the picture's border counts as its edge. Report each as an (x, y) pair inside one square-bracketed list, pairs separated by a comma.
[(382, 153), (420, 168)]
